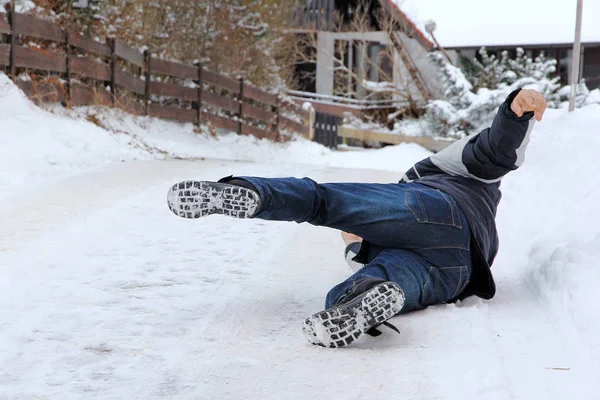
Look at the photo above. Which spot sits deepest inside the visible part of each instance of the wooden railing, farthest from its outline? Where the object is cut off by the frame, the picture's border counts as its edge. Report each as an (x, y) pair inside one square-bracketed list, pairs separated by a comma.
[(82, 71), (430, 143)]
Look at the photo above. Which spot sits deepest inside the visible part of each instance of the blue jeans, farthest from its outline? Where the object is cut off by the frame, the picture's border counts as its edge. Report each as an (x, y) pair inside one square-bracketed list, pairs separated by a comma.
[(418, 236)]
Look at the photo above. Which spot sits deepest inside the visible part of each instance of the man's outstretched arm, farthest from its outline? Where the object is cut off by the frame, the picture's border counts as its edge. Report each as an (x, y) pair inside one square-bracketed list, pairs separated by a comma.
[(495, 151)]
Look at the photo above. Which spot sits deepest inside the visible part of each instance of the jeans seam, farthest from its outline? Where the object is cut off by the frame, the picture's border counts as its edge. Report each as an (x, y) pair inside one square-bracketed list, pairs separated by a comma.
[(407, 204), (425, 284), (428, 299), (453, 209), (418, 195), (459, 284)]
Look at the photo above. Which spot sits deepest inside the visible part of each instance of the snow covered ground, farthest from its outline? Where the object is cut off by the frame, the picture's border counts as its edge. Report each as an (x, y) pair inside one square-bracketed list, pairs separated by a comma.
[(104, 294)]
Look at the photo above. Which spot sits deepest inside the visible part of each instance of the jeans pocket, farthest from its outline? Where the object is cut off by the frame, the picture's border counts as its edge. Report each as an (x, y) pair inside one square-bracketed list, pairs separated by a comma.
[(444, 284), (432, 206)]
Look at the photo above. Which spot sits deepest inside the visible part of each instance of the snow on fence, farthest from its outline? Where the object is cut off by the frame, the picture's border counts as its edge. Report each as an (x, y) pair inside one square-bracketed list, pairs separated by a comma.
[(85, 71), (430, 143)]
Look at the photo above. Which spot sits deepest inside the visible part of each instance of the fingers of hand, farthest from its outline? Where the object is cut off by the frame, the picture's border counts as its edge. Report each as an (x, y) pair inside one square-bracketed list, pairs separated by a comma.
[(529, 100), (516, 107)]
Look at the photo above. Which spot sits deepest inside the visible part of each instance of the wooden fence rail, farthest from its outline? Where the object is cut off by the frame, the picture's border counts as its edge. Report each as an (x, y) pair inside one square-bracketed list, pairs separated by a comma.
[(430, 143), (81, 71)]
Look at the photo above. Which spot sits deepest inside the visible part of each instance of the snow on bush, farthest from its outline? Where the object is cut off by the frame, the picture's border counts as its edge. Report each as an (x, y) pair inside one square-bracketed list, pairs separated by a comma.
[(465, 111)]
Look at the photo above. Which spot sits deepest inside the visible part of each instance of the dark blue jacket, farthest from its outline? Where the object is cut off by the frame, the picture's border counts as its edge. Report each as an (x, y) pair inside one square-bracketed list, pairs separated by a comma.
[(470, 171)]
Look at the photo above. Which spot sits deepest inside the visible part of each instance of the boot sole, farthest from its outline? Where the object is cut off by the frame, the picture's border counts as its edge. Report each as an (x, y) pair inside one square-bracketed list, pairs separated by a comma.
[(340, 325), (196, 199)]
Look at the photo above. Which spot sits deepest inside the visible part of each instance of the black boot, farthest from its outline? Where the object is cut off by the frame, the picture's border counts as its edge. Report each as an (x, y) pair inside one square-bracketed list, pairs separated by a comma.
[(232, 197), (370, 303)]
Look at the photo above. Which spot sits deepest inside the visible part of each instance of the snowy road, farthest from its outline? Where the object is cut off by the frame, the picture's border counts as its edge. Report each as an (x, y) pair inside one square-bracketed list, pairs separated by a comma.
[(106, 295)]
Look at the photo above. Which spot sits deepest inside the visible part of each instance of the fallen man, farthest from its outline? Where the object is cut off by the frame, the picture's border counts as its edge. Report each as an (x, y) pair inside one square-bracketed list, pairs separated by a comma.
[(429, 239)]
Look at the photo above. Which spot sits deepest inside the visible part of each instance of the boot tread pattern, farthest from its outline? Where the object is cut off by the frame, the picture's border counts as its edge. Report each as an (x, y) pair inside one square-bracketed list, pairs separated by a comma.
[(341, 325), (195, 199)]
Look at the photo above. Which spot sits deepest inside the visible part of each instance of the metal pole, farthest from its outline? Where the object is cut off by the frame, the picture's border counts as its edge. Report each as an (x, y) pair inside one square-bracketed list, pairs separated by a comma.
[(575, 67)]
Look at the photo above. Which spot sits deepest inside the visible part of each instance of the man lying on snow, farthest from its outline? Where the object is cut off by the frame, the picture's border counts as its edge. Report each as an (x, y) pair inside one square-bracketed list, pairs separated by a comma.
[(429, 239)]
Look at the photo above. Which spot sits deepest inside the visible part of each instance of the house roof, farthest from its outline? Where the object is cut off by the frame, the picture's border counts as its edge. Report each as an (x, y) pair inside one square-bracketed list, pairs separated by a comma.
[(412, 29), (475, 23)]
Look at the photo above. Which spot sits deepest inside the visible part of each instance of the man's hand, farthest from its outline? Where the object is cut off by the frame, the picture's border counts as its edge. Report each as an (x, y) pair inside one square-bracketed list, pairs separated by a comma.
[(350, 238), (529, 100)]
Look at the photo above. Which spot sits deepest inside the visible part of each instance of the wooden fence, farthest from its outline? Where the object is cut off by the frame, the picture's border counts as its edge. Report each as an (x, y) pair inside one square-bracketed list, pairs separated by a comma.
[(81, 71)]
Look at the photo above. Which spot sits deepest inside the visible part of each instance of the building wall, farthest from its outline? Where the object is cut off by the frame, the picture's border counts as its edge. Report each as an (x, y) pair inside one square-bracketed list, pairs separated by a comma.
[(591, 67)]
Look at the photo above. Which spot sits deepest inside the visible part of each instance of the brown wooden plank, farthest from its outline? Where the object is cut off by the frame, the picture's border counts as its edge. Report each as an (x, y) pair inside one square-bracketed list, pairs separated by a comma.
[(89, 68), (29, 25), (85, 95), (433, 144), (4, 25), (174, 113), (257, 132), (328, 108), (221, 122), (254, 93), (89, 45), (40, 59), (43, 92), (4, 54), (129, 81), (220, 101), (173, 90), (248, 110), (292, 125), (129, 53), (172, 68), (221, 81)]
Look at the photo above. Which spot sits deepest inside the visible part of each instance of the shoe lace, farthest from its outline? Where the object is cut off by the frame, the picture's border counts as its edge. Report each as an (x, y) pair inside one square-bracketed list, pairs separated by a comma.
[(376, 332)]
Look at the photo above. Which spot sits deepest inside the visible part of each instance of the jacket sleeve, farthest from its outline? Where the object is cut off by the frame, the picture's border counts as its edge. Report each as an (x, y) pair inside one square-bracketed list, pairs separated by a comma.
[(488, 155)]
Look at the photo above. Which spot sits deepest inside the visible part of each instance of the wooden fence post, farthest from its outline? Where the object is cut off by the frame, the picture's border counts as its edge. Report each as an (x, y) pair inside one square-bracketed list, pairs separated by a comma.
[(199, 94), (68, 73), (147, 59), (275, 124), (13, 39), (241, 113), (113, 68)]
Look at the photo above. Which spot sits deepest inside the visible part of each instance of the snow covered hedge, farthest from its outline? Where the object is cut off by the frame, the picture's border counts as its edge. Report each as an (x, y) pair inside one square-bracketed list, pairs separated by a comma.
[(465, 111)]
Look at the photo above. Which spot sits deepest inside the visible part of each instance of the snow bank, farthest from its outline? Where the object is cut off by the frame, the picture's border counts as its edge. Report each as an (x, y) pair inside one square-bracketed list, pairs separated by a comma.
[(40, 146), (37, 146), (183, 141), (548, 221)]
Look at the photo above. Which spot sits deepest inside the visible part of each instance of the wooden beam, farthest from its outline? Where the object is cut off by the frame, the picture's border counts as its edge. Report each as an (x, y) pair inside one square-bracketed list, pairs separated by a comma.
[(330, 108), (429, 143)]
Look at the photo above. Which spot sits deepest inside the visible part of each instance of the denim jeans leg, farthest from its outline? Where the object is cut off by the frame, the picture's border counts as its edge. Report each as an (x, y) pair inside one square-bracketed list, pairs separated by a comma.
[(423, 284), (403, 267), (409, 216)]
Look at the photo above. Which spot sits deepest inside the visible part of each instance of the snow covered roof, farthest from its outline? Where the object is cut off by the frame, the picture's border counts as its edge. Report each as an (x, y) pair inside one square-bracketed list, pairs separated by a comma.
[(415, 31), (474, 23)]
